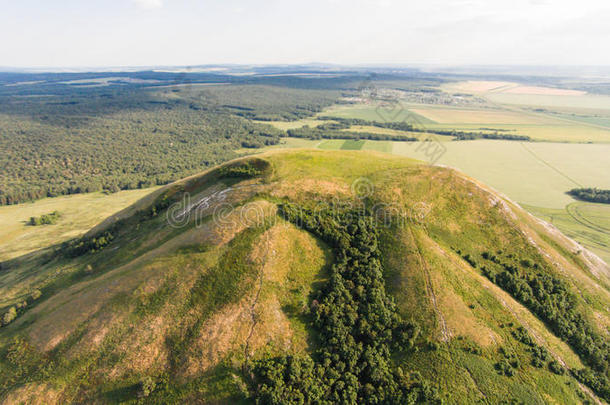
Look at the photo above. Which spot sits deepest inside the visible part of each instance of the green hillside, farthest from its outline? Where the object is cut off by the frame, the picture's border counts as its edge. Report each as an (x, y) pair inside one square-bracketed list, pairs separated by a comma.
[(301, 276)]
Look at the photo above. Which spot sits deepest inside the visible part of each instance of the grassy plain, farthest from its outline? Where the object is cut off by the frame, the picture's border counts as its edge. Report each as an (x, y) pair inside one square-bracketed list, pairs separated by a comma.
[(79, 213)]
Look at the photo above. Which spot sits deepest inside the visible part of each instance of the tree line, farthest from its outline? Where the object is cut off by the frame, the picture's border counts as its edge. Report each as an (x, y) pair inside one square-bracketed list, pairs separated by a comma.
[(346, 123), (550, 299)]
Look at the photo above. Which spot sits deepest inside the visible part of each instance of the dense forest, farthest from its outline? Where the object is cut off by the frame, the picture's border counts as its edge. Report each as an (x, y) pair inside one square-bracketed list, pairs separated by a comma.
[(109, 138), (591, 194)]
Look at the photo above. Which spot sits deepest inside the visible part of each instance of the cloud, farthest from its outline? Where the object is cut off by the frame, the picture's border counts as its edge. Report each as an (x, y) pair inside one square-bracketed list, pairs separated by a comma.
[(149, 4)]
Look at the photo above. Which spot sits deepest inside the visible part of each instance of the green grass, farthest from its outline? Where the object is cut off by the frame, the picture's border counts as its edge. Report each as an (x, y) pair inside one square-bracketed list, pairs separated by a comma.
[(379, 146), (587, 223), (550, 169), (331, 144), (79, 213), (352, 144)]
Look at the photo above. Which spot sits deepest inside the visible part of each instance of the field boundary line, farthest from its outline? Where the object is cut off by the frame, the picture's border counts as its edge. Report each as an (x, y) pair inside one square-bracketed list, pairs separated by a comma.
[(549, 165)]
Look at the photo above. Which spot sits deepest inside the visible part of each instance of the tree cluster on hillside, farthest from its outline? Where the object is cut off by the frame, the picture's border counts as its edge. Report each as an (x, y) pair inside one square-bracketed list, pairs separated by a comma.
[(358, 324), (550, 298), (591, 194), (45, 219)]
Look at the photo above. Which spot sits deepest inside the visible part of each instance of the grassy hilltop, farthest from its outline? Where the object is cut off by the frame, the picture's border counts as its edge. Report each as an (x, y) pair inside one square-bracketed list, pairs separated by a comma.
[(309, 277)]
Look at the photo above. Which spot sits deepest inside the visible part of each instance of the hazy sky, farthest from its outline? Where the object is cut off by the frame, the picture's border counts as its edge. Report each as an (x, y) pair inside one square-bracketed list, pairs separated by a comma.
[(53, 33)]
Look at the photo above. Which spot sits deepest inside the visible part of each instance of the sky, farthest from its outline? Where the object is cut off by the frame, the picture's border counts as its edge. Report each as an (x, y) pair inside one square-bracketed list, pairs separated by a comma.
[(103, 33)]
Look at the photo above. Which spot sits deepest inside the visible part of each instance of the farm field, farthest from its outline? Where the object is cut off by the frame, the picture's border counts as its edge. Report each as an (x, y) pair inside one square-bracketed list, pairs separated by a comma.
[(538, 126), (449, 115), (586, 101), (373, 112), (485, 86), (560, 132), (286, 125), (574, 116), (79, 213)]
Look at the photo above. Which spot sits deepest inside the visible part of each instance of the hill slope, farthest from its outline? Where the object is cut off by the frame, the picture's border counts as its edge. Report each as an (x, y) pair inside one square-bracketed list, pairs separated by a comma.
[(309, 277)]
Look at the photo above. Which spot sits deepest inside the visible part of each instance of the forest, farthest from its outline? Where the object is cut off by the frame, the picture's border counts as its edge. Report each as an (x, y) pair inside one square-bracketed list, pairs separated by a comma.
[(117, 138)]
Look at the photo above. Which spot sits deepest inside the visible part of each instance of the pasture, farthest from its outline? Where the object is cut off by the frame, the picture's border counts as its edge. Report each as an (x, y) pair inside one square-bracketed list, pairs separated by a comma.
[(79, 213)]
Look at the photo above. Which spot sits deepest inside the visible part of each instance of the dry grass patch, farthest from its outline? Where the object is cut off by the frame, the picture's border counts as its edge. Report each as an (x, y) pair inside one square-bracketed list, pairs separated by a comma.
[(33, 393)]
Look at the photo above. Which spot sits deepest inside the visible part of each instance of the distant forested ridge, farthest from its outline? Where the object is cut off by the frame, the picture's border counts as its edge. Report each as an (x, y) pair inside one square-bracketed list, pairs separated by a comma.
[(591, 194)]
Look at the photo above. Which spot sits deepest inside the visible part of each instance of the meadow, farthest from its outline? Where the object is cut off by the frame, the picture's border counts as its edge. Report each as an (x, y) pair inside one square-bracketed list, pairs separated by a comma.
[(79, 213), (540, 175)]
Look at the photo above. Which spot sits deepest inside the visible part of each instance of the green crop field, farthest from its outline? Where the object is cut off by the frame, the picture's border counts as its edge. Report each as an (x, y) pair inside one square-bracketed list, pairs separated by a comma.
[(352, 144), (587, 101)]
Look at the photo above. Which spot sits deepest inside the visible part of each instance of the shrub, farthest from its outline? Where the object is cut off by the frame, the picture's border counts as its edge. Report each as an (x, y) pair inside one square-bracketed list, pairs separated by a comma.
[(9, 316), (146, 386), (35, 295), (556, 368), (46, 219)]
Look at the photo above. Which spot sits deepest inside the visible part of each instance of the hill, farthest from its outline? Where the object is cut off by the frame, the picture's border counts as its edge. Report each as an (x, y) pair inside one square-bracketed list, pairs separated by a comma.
[(310, 277)]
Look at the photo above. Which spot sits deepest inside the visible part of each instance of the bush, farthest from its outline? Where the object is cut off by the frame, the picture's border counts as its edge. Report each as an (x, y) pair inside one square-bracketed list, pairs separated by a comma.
[(46, 219), (556, 368), (146, 386), (9, 316), (35, 295)]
